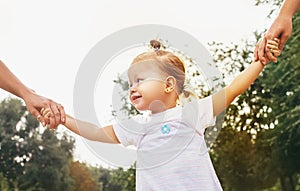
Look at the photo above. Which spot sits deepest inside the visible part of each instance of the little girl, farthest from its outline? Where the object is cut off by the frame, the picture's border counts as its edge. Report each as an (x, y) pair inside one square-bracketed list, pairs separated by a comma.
[(171, 151)]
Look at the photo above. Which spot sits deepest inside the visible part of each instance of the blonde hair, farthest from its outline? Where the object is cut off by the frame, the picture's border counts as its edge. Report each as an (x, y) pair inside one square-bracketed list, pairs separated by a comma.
[(169, 63)]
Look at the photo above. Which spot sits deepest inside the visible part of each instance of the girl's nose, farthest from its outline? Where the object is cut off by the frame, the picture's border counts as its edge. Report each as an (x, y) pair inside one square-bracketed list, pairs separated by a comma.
[(133, 87)]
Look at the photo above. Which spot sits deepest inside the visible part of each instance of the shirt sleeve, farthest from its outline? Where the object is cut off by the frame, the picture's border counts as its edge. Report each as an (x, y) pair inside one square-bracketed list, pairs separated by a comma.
[(206, 112), (128, 132), (199, 114)]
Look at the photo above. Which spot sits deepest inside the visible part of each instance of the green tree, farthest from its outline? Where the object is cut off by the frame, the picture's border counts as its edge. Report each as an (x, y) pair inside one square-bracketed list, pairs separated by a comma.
[(30, 157), (282, 82), (125, 179), (3, 183), (269, 112), (11, 111), (83, 178), (234, 153), (104, 176), (50, 161)]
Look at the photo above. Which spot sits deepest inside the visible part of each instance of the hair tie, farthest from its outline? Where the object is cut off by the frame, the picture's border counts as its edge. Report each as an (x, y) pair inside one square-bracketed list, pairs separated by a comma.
[(155, 45)]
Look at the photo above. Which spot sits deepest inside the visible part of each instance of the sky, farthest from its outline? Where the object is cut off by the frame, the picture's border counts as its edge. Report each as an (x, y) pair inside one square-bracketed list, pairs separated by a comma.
[(45, 42)]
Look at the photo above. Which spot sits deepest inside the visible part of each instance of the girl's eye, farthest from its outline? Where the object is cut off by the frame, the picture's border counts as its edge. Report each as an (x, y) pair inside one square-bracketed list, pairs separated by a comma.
[(139, 80)]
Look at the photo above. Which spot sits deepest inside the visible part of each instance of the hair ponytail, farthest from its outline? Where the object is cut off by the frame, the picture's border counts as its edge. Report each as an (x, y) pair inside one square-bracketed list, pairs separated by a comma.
[(187, 95), (155, 45)]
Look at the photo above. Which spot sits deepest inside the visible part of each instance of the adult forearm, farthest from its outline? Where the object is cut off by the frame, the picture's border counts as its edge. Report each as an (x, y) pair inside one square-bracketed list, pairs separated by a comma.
[(10, 83), (289, 8)]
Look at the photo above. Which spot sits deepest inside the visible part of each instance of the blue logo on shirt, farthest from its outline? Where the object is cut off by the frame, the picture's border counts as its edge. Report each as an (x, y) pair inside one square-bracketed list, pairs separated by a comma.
[(165, 129)]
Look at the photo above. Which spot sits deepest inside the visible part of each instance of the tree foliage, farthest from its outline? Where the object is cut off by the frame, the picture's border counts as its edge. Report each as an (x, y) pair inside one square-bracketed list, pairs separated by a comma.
[(82, 177), (283, 85), (269, 114), (125, 179), (31, 158)]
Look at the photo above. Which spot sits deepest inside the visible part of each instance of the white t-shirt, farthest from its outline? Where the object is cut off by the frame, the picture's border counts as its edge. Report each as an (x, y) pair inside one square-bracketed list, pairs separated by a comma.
[(171, 150)]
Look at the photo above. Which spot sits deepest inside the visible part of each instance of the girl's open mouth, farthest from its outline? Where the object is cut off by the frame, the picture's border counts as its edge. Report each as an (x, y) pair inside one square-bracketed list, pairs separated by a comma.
[(135, 97)]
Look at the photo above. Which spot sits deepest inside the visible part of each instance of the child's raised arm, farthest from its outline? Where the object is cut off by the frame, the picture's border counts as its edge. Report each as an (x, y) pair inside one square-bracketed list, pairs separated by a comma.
[(223, 98)]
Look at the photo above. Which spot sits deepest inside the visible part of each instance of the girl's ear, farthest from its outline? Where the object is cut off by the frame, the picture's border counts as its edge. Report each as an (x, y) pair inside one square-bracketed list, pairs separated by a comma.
[(170, 84)]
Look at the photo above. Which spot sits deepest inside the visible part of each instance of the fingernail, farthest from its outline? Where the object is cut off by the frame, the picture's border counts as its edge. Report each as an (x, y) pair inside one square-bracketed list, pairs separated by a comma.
[(44, 124)]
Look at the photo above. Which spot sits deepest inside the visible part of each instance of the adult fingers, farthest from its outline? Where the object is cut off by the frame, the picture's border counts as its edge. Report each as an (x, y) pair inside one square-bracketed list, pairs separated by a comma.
[(283, 39), (276, 52), (273, 49), (46, 112), (52, 123), (48, 115), (261, 51), (271, 56), (277, 40), (62, 112), (56, 111), (273, 42), (38, 116)]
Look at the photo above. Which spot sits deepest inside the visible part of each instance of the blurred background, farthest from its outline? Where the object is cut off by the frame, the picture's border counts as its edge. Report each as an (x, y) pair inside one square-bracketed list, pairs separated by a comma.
[(44, 43)]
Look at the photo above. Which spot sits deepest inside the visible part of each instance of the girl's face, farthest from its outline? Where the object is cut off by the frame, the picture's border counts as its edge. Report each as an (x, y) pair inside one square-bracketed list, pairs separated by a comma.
[(147, 85)]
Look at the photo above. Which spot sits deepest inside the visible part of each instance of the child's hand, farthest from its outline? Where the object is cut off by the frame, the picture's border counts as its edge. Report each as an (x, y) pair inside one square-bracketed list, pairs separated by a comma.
[(47, 113), (272, 50)]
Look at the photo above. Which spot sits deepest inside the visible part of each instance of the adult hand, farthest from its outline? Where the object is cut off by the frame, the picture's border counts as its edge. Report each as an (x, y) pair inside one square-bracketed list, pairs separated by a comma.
[(281, 29), (34, 104), (33, 101)]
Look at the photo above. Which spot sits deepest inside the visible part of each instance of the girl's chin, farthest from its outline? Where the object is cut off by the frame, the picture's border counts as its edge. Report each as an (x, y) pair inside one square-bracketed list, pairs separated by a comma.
[(155, 106), (140, 107)]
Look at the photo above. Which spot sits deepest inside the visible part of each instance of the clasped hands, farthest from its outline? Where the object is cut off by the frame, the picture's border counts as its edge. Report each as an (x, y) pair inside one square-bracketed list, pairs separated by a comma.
[(271, 50), (47, 114)]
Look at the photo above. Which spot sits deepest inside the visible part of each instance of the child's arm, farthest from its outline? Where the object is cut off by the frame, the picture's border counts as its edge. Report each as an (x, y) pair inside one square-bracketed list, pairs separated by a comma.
[(223, 98), (90, 131), (85, 129)]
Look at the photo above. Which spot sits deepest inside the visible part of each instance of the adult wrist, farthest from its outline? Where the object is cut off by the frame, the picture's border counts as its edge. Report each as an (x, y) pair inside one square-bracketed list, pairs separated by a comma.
[(25, 93), (288, 9)]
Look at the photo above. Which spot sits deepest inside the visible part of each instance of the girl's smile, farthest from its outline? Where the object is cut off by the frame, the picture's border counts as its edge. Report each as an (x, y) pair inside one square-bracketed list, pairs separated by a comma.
[(147, 85), (135, 97)]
